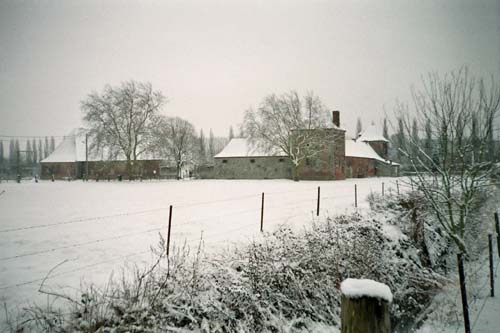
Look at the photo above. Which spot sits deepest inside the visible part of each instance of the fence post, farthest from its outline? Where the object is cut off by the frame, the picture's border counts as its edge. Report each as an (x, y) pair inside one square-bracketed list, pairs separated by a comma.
[(355, 195), (317, 207), (397, 186), (492, 277), (382, 188), (463, 291), (497, 227), (169, 229), (262, 214), (363, 313)]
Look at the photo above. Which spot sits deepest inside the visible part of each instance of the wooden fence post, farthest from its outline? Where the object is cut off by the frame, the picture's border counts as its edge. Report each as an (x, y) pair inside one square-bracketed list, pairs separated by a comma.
[(317, 207), (463, 291), (397, 186), (497, 227), (382, 188), (355, 195), (169, 229), (262, 214), (365, 306), (492, 277)]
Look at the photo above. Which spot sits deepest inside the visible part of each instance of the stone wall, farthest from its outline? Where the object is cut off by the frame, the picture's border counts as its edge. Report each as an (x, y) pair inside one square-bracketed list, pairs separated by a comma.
[(62, 170), (330, 163), (358, 167), (100, 169), (387, 170), (272, 167)]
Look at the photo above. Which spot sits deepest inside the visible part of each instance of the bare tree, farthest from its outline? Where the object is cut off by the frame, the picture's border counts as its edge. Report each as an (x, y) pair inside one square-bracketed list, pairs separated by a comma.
[(456, 111), (286, 124), (175, 138), (121, 118)]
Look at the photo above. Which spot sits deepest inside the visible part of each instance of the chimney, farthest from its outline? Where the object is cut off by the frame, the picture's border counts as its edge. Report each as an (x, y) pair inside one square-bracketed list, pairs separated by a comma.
[(336, 118)]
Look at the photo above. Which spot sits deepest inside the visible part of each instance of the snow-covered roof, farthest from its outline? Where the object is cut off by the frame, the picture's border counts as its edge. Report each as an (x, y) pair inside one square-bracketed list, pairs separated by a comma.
[(69, 149), (354, 288), (364, 150), (73, 149), (242, 147), (371, 133)]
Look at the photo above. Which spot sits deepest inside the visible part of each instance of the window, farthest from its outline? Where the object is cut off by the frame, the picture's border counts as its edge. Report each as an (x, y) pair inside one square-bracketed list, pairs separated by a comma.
[(224, 161), (282, 160), (252, 161), (308, 162)]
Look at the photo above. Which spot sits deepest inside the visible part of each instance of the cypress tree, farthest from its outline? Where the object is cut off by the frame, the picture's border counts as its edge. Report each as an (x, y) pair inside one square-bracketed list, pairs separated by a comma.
[(17, 153), (359, 128), (40, 150), (52, 144), (12, 152), (46, 149), (29, 156), (202, 149), (385, 130), (35, 152), (1, 154), (211, 145)]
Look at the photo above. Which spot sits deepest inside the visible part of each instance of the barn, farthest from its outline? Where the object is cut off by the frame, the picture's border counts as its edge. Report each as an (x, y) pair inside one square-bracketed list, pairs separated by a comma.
[(72, 160)]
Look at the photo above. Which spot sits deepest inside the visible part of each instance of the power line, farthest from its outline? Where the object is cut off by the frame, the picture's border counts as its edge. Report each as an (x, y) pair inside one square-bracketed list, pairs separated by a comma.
[(35, 136)]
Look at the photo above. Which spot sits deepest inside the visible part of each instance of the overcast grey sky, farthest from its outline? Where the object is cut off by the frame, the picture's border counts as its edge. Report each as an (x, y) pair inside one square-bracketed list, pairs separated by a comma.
[(214, 59)]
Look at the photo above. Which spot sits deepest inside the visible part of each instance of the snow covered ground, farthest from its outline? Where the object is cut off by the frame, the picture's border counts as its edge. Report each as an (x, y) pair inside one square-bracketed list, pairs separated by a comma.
[(484, 310), (97, 228)]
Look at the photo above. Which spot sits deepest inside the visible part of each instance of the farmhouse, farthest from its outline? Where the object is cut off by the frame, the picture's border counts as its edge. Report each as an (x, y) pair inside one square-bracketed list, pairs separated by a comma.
[(339, 158), (71, 158)]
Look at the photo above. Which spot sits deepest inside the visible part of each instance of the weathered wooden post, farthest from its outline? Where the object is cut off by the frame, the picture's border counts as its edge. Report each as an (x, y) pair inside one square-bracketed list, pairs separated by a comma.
[(262, 214), (317, 206), (497, 228), (365, 306), (382, 188), (463, 292), (169, 230), (355, 195), (492, 274), (397, 186)]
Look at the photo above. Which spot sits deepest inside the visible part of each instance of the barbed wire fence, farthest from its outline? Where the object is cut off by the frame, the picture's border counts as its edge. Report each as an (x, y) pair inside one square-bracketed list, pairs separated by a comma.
[(185, 230), (251, 201)]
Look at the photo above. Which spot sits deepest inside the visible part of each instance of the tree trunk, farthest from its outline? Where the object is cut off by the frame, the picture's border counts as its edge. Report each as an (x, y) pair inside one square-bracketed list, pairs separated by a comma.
[(296, 173), (178, 169), (129, 168)]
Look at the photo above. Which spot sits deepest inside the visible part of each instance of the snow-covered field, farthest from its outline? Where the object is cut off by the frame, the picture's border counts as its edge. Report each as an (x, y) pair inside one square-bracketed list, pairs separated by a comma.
[(94, 228)]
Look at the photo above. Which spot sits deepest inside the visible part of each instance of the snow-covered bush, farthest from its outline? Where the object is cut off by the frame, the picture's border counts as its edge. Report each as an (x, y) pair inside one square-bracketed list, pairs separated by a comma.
[(288, 282)]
